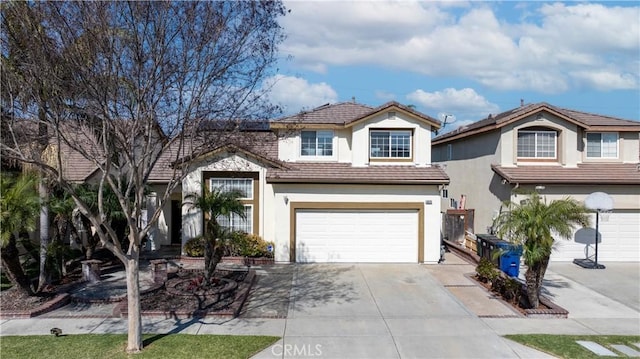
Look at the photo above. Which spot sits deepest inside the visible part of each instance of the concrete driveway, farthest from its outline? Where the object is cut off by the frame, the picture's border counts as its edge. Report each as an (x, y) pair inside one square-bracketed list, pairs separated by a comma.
[(382, 311)]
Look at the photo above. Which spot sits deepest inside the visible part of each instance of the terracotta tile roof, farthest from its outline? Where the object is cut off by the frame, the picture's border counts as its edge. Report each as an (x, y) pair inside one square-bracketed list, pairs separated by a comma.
[(391, 104), (336, 114), (583, 119), (306, 172), (259, 144), (75, 167), (591, 173), (346, 113)]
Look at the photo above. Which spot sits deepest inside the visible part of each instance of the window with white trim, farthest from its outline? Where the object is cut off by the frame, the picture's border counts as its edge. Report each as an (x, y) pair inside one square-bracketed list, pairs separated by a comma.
[(602, 145), (389, 144), (316, 143), (244, 185), (235, 222), (537, 144)]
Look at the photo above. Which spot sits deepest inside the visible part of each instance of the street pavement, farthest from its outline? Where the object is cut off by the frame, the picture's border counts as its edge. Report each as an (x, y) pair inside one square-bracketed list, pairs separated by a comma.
[(390, 311)]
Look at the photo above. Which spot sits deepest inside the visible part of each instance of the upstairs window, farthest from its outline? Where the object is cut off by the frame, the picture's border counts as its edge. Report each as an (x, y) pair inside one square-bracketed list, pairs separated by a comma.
[(540, 144), (316, 143), (602, 145), (390, 144)]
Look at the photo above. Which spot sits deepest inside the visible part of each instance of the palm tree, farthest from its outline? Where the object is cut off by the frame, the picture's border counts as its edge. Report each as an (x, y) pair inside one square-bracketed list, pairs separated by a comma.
[(215, 203), (19, 207), (533, 224)]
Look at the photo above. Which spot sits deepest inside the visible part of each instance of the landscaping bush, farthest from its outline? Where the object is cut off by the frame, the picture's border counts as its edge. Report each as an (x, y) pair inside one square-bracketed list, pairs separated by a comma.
[(510, 289), (247, 245), (194, 247), (487, 271)]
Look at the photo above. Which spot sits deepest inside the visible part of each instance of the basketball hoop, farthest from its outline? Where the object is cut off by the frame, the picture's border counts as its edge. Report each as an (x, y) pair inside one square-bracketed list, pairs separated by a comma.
[(604, 215), (602, 204)]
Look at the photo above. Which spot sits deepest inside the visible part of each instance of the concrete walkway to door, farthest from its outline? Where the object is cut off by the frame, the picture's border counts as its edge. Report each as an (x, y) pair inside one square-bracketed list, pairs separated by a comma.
[(382, 311)]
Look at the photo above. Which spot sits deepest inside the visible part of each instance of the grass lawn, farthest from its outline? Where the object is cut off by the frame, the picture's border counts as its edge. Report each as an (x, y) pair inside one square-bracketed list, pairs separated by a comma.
[(112, 346), (565, 346)]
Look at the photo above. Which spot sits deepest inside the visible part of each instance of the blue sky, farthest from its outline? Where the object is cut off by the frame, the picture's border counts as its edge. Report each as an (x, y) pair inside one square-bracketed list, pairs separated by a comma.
[(467, 59)]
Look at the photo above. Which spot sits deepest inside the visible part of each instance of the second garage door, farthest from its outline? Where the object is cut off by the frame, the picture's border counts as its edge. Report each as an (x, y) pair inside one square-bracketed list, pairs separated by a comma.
[(356, 236)]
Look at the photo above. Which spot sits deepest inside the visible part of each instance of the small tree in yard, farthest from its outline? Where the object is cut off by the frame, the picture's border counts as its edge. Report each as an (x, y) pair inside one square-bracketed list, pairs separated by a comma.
[(213, 204), (127, 87), (533, 224)]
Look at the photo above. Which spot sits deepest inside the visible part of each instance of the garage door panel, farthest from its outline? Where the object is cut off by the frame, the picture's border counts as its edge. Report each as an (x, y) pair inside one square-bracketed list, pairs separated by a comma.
[(620, 240), (356, 236)]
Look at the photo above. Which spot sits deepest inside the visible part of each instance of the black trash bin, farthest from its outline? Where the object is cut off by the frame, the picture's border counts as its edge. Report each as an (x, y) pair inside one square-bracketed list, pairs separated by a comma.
[(488, 244), (509, 258)]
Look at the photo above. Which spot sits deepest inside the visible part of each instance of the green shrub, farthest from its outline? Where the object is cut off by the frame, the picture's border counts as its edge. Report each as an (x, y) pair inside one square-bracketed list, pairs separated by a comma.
[(511, 289), (487, 271), (247, 245), (194, 247)]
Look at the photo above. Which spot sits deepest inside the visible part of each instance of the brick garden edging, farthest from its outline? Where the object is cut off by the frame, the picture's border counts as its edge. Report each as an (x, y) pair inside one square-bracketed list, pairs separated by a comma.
[(553, 310), (58, 301), (231, 260)]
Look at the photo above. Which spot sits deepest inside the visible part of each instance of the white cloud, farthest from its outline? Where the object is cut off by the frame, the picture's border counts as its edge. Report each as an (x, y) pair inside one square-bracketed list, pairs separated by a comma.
[(548, 48), (465, 104), (295, 94), (606, 80)]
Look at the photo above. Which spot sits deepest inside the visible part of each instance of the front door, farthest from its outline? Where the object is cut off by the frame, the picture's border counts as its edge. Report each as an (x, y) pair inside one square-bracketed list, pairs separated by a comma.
[(176, 222)]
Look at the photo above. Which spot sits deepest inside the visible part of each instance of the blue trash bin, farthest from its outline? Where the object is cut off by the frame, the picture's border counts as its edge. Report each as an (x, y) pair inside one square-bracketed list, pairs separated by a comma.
[(510, 258)]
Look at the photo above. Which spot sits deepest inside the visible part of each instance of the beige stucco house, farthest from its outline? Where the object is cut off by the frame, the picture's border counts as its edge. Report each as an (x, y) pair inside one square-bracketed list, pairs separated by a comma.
[(559, 153), (340, 183)]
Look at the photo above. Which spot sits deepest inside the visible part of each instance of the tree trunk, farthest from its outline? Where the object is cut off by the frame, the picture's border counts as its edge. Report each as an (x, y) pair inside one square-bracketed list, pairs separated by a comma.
[(534, 279), (13, 268), (542, 269), (209, 268), (44, 233), (134, 320)]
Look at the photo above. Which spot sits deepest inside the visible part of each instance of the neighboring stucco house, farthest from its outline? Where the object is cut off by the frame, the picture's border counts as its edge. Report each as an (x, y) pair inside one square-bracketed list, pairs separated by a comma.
[(340, 183), (559, 153)]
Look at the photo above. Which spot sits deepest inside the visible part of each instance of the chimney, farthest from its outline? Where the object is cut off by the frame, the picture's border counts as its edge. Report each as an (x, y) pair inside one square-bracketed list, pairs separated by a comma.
[(353, 99), (521, 102)]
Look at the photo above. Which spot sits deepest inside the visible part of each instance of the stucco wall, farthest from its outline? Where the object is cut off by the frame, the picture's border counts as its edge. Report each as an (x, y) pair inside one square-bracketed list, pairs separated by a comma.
[(192, 218), (421, 141), (470, 172), (567, 142)]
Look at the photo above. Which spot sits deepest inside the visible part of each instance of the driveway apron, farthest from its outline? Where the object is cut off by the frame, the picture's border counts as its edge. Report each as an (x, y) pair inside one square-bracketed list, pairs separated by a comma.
[(381, 311)]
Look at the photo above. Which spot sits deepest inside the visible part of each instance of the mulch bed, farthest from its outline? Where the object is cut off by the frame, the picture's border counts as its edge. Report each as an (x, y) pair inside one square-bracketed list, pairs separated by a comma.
[(546, 308), (159, 301), (169, 302)]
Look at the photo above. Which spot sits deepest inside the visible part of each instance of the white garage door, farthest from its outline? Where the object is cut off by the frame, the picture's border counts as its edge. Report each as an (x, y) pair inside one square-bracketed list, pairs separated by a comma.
[(357, 236), (620, 240)]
